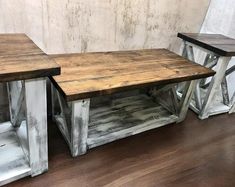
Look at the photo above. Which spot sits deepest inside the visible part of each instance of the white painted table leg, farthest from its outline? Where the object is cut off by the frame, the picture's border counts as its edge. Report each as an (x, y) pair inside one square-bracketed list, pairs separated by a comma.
[(186, 99), (224, 88), (36, 118), (79, 131), (232, 110), (197, 93), (214, 87)]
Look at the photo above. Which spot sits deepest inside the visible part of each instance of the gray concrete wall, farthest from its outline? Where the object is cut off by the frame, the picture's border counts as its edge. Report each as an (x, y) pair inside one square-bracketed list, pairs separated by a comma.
[(67, 26), (88, 25), (11, 16)]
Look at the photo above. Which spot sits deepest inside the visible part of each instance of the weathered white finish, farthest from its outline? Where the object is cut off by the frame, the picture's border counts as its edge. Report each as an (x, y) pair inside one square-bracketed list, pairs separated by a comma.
[(232, 110), (205, 101), (119, 115), (218, 105), (36, 117), (79, 130), (14, 163), (72, 121), (125, 117), (214, 86), (220, 19), (16, 102), (23, 144), (166, 96), (224, 88), (190, 55), (186, 98)]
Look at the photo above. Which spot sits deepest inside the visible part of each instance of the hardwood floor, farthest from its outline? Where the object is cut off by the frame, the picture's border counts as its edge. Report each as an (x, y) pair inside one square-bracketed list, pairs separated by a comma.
[(192, 153)]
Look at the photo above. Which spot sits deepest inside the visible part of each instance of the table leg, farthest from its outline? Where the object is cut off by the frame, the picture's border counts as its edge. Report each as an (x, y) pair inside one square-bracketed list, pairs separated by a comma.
[(214, 87), (232, 110), (36, 118), (186, 99), (224, 88), (79, 130), (72, 120), (197, 94)]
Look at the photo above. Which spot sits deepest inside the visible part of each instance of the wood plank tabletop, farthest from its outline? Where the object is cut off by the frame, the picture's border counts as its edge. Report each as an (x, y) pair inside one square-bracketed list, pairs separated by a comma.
[(217, 43), (21, 59), (92, 74)]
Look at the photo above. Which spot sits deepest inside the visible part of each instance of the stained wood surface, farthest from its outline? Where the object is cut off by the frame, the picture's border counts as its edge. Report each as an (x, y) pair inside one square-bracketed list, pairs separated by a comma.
[(91, 74), (217, 43), (21, 59)]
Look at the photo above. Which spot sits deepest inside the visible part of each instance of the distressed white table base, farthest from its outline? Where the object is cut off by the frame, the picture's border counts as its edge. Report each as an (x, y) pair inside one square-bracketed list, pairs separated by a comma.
[(23, 141), (205, 100), (86, 125), (232, 109)]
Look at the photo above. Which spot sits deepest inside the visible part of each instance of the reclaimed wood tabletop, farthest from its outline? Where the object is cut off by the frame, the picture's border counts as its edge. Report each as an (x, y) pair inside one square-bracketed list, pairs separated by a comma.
[(92, 74), (21, 59), (217, 43)]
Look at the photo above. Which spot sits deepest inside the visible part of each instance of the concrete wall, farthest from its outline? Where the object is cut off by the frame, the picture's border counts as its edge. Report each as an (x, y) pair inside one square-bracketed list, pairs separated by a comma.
[(101, 25), (67, 26), (11, 16)]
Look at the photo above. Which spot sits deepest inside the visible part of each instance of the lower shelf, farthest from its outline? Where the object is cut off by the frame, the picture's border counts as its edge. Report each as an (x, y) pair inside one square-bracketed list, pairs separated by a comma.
[(125, 117), (14, 163), (218, 106)]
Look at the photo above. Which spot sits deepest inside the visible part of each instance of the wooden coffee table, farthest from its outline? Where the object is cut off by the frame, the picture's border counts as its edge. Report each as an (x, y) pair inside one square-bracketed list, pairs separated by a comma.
[(211, 96), (23, 140), (102, 97)]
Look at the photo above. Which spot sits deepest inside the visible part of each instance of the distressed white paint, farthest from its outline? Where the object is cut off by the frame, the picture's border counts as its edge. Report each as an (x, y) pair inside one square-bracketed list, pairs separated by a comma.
[(14, 164), (118, 117), (16, 102), (232, 110), (220, 19), (186, 98), (79, 128), (214, 87), (36, 118), (210, 104)]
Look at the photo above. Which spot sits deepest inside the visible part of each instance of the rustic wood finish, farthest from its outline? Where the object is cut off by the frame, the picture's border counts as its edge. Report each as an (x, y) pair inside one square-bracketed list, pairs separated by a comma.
[(21, 59), (217, 43), (93, 74)]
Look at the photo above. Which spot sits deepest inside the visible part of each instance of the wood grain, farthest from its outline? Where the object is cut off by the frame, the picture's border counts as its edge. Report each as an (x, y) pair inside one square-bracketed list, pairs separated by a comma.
[(21, 59), (195, 153), (93, 74), (124, 117), (217, 43)]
